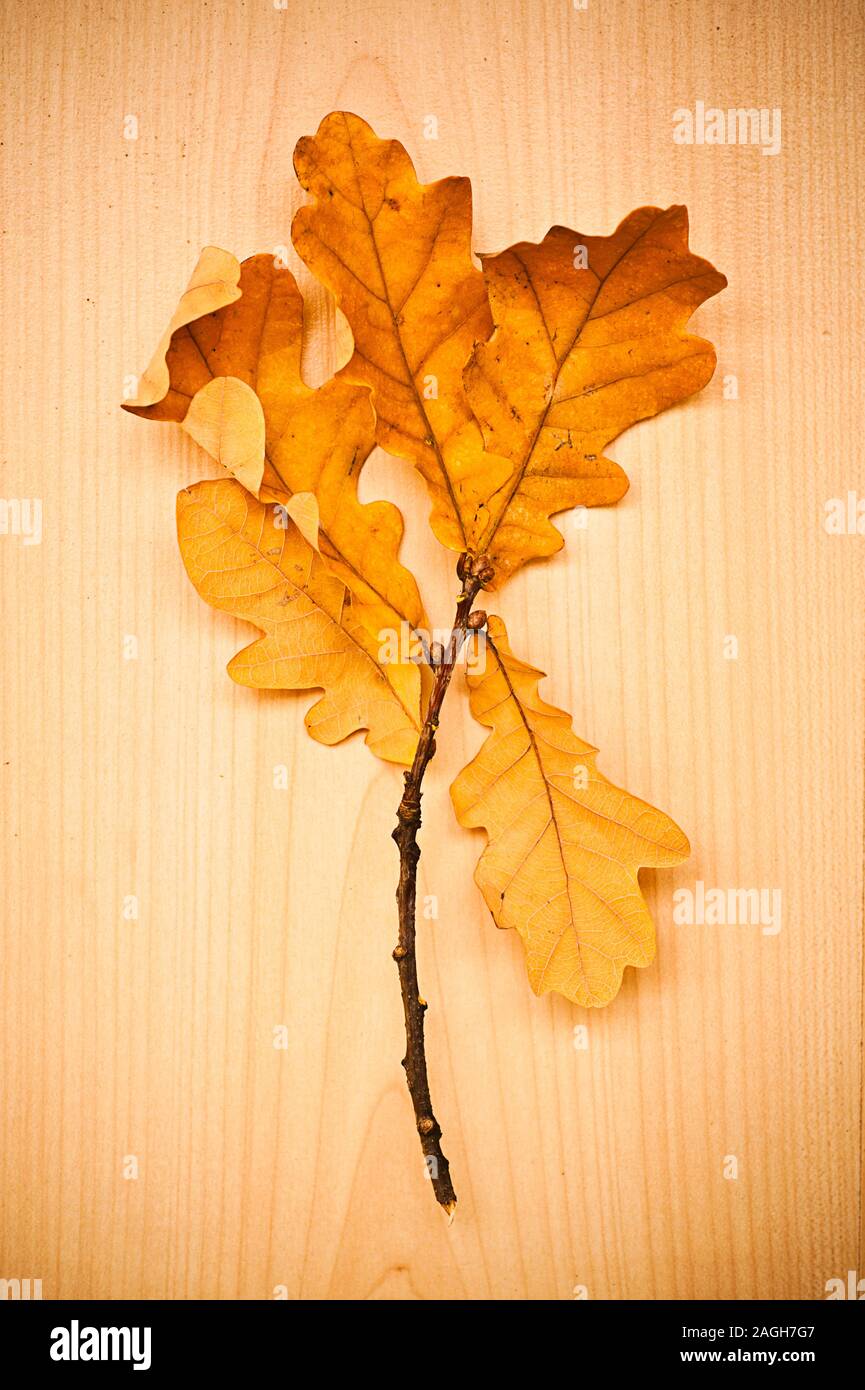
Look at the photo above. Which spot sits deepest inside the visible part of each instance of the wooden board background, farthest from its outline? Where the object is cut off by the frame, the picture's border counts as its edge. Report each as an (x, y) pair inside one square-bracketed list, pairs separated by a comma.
[(154, 777)]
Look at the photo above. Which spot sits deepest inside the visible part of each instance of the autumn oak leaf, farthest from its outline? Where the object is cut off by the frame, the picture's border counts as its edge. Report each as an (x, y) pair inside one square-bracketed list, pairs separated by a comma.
[(589, 338), (252, 563), (564, 844), (234, 383), (397, 255)]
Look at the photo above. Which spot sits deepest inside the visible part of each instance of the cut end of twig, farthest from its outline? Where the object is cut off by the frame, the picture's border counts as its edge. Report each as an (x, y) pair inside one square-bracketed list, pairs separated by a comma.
[(450, 1210)]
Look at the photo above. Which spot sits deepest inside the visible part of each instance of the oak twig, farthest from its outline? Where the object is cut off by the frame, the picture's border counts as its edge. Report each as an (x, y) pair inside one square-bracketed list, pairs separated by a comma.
[(474, 573)]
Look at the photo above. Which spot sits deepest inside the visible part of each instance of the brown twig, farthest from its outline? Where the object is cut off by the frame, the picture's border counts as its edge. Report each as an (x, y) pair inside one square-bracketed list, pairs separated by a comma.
[(474, 574)]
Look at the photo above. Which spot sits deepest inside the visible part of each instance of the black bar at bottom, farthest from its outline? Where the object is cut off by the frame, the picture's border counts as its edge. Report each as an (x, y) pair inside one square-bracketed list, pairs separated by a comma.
[(157, 1338)]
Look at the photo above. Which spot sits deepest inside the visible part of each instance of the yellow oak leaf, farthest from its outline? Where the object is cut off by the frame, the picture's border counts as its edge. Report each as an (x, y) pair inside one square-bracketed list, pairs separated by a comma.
[(564, 844), (397, 255), (245, 559), (589, 339)]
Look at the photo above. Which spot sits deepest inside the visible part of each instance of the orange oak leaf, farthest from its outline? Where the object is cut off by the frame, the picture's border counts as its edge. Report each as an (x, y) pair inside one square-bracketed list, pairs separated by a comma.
[(235, 384), (251, 562), (397, 255), (564, 844), (315, 440), (589, 339)]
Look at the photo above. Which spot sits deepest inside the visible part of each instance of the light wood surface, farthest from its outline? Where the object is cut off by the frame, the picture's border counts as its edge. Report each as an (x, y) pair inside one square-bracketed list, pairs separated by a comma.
[(261, 1167)]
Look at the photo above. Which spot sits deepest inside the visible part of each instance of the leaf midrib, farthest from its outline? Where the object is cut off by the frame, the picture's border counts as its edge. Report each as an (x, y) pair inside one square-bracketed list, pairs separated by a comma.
[(430, 433), (536, 752), (553, 818)]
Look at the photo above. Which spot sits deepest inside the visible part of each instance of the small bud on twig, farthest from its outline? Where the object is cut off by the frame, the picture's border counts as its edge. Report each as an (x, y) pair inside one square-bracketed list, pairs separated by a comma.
[(484, 571), (476, 620)]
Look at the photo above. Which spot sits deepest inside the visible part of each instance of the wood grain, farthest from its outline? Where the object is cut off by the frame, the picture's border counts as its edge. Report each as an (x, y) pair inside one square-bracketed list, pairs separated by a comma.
[(262, 1167)]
